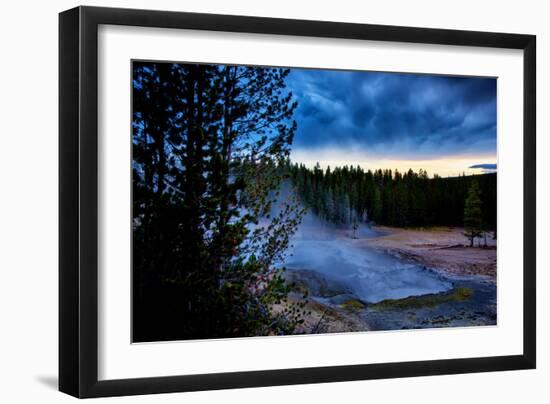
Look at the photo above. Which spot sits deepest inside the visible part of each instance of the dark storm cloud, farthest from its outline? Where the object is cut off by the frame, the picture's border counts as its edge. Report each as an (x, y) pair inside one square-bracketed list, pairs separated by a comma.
[(407, 115)]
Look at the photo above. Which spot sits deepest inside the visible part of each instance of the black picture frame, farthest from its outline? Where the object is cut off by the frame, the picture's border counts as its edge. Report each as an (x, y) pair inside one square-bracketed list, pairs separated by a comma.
[(78, 201)]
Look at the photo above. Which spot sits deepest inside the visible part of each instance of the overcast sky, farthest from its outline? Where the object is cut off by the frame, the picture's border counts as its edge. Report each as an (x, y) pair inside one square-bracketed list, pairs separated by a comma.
[(388, 120)]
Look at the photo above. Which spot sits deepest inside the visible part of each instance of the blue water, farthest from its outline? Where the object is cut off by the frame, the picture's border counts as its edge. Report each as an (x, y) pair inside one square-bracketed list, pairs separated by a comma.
[(370, 275)]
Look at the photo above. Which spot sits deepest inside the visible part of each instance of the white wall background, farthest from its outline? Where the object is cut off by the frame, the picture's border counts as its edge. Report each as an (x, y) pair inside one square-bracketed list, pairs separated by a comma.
[(28, 200)]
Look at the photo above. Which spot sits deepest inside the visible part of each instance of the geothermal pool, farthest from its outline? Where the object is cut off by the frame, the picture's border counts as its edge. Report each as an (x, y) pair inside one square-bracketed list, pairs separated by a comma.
[(368, 274)]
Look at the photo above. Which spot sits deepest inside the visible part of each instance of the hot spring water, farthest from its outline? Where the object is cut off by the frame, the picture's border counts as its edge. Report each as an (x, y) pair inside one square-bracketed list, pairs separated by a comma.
[(371, 275)]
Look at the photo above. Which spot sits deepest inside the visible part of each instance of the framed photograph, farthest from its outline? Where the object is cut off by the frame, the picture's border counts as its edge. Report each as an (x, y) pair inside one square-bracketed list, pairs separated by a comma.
[(251, 201)]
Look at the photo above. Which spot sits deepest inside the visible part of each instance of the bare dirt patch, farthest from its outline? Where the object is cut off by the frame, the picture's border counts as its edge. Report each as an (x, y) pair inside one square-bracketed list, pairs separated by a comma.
[(441, 248)]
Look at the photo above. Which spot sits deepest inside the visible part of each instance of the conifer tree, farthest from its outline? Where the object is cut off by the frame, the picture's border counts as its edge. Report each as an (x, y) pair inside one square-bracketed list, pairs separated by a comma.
[(388, 197), (210, 147), (377, 206), (473, 220)]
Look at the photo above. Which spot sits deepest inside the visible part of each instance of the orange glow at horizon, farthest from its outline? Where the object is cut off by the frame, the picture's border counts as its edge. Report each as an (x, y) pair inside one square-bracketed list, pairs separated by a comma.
[(444, 166)]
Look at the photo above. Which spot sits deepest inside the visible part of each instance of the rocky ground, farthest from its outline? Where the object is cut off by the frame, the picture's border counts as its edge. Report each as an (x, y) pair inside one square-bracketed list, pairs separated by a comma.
[(326, 318)]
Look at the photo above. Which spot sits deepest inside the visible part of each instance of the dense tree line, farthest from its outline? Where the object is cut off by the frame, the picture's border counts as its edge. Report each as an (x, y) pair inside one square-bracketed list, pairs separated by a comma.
[(208, 141), (350, 195)]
